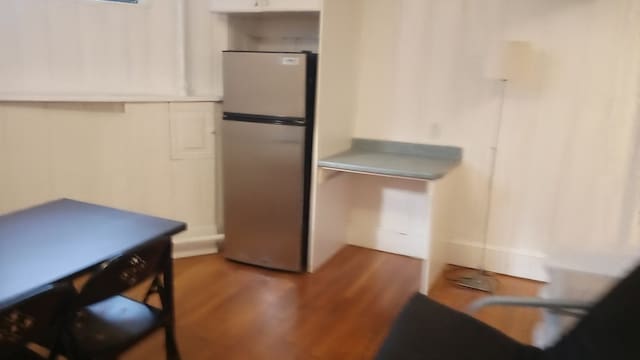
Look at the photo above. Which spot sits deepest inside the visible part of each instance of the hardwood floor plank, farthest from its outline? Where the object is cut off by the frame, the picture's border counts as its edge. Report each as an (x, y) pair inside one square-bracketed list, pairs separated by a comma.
[(226, 310), (515, 322)]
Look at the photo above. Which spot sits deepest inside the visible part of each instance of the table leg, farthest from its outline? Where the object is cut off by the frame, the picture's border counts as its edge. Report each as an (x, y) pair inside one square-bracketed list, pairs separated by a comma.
[(170, 335)]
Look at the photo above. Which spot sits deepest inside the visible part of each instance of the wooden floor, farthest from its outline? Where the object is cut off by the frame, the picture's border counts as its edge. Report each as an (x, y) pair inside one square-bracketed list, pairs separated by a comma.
[(227, 310)]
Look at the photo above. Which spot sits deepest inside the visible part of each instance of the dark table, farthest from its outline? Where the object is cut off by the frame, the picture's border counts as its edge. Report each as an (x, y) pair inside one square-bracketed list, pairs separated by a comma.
[(65, 238)]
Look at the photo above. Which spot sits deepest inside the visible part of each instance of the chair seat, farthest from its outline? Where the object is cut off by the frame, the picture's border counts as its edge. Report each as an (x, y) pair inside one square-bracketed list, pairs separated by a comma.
[(430, 331), (114, 324)]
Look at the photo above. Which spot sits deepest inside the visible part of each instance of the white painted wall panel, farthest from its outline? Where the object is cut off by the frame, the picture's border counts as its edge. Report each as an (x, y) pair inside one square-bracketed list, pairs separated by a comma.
[(631, 221), (388, 214), (335, 116), (89, 47), (112, 154), (566, 143), (206, 35)]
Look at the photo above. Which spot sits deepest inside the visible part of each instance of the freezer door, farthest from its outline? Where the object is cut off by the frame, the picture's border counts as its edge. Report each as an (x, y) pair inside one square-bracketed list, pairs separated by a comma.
[(270, 84), (263, 168)]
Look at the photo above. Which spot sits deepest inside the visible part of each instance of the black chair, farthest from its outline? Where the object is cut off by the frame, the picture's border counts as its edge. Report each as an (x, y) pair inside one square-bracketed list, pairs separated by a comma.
[(34, 319), (431, 331), (104, 323)]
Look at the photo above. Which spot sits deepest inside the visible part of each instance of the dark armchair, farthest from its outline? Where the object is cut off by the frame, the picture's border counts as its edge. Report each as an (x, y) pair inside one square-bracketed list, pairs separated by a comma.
[(426, 330)]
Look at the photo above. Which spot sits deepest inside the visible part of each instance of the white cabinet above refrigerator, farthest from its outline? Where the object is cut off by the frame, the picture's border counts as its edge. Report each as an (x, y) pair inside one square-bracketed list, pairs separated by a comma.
[(254, 6)]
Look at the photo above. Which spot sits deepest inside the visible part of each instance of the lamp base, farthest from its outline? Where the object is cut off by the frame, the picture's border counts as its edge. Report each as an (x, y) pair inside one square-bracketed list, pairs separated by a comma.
[(478, 280)]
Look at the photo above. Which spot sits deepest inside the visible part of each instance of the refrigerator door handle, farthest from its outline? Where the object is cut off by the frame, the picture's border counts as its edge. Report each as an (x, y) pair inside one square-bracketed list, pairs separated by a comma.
[(264, 119)]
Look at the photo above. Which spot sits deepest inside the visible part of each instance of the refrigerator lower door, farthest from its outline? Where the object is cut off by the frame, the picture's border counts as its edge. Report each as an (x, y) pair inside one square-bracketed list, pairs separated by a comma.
[(263, 173)]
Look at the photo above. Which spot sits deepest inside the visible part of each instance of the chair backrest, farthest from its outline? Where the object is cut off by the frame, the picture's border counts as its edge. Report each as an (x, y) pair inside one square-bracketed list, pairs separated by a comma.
[(36, 318), (124, 272), (611, 329)]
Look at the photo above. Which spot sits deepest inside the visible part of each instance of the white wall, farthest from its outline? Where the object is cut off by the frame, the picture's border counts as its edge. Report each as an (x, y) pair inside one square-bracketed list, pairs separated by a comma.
[(632, 215), (206, 37), (414, 68), (389, 214), (152, 158), (274, 31), (93, 47), (87, 46), (564, 159), (335, 115), (158, 158)]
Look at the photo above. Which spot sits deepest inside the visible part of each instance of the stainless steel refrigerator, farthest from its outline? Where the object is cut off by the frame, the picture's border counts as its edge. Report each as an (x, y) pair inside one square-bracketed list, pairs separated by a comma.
[(267, 131)]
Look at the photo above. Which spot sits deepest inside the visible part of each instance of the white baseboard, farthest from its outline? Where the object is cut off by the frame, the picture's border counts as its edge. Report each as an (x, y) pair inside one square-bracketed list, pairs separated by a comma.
[(196, 245), (509, 261)]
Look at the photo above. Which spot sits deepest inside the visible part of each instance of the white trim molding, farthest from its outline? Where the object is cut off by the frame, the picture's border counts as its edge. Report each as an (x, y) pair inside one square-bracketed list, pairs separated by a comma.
[(504, 260), (196, 245), (105, 98)]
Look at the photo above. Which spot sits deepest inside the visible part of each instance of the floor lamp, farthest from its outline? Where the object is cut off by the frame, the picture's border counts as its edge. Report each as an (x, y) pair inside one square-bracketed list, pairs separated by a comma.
[(511, 64)]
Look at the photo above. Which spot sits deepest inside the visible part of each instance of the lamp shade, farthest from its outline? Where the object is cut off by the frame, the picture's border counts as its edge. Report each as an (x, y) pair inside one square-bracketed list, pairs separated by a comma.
[(513, 60)]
